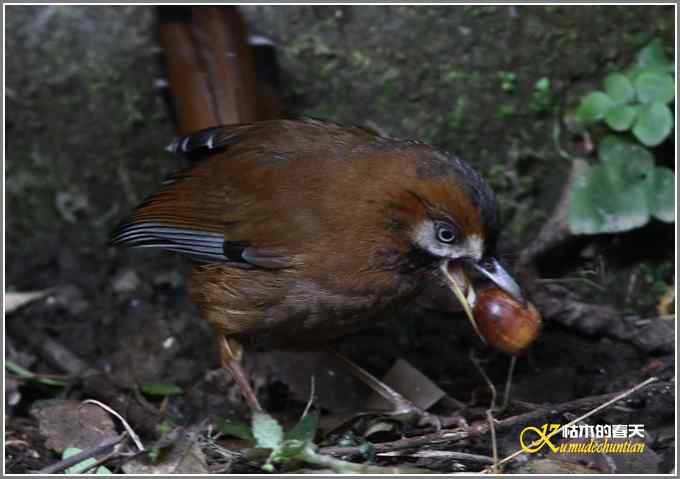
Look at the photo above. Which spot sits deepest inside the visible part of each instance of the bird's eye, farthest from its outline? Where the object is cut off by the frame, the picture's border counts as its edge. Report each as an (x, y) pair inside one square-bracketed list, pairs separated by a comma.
[(445, 234)]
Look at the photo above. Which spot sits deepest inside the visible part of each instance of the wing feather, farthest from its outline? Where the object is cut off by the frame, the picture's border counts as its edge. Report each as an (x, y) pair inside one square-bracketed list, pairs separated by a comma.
[(208, 141), (216, 211)]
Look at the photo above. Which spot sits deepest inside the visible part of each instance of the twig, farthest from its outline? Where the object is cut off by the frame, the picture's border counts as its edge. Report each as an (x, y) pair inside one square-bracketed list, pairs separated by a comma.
[(428, 453), (579, 419), (486, 378), (491, 420), (50, 350), (526, 405), (100, 462), (462, 299), (586, 402), (81, 456), (312, 393), (443, 436), (164, 441), (103, 387), (494, 444), (24, 374), (508, 384), (128, 428), (453, 435), (311, 456), (16, 443)]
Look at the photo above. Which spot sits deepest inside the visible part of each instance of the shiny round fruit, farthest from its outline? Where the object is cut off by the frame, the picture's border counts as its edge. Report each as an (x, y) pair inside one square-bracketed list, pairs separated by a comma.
[(504, 323)]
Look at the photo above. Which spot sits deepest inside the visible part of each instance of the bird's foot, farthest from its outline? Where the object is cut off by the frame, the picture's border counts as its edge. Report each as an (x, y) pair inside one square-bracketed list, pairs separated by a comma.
[(412, 415), (408, 413), (230, 356), (403, 410)]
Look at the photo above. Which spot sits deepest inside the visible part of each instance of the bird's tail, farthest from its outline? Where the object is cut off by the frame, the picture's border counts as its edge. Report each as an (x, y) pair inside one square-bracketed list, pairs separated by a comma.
[(214, 77), (211, 68)]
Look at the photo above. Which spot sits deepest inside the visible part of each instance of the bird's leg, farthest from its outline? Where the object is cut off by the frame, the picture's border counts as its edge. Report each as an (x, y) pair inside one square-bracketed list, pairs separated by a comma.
[(404, 409), (230, 356)]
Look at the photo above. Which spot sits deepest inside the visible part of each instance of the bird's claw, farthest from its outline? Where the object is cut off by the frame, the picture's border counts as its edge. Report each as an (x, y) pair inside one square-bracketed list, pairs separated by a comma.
[(430, 420), (408, 413)]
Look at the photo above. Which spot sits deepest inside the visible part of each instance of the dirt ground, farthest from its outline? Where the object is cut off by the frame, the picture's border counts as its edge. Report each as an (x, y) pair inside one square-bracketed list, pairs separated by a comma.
[(86, 127)]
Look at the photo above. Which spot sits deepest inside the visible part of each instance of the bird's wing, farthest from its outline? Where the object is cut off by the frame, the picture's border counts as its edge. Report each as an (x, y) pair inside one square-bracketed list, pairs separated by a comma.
[(203, 143), (200, 210), (240, 201)]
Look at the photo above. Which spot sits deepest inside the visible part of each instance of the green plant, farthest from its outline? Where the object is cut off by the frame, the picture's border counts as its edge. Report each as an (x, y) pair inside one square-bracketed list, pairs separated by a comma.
[(24, 373), (637, 99), (508, 80), (83, 465), (297, 445), (160, 389), (287, 446), (625, 189), (622, 191), (541, 96), (265, 432)]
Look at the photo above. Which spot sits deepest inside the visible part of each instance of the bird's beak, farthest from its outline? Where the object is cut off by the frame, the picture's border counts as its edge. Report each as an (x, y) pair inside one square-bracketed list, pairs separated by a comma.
[(493, 270), (462, 288), (458, 281)]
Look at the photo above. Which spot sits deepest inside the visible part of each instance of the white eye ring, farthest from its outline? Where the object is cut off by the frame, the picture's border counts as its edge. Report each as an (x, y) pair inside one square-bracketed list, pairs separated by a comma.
[(445, 234)]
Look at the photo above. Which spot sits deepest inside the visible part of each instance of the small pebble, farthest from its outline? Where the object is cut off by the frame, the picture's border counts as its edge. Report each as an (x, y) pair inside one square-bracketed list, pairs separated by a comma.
[(126, 282)]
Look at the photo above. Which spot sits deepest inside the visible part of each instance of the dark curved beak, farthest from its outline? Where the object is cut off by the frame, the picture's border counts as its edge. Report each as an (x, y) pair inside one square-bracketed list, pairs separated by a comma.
[(493, 270)]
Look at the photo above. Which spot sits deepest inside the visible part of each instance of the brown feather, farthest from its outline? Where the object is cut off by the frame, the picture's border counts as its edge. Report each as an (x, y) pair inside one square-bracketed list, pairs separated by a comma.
[(323, 197), (211, 69)]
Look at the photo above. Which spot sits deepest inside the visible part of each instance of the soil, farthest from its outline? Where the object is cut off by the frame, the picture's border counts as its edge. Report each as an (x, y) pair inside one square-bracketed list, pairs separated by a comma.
[(85, 129)]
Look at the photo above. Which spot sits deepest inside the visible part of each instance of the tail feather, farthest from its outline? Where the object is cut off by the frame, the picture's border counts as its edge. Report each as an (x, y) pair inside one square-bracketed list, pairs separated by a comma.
[(211, 72), (211, 68)]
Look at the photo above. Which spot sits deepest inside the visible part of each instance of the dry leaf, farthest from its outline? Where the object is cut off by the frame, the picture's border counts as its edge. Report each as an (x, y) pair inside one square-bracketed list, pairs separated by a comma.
[(410, 383)]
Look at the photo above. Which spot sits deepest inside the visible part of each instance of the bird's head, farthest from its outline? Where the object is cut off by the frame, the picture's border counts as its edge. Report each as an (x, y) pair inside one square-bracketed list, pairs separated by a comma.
[(447, 213)]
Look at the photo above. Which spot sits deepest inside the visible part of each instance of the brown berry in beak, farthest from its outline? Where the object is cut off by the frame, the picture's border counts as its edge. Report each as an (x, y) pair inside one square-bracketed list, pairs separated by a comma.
[(505, 323)]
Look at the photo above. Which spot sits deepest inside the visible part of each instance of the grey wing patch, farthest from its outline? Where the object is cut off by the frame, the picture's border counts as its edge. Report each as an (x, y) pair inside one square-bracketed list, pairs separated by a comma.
[(197, 144), (200, 245)]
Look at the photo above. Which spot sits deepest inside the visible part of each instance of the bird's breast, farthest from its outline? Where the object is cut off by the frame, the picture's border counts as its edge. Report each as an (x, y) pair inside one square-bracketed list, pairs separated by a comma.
[(290, 307)]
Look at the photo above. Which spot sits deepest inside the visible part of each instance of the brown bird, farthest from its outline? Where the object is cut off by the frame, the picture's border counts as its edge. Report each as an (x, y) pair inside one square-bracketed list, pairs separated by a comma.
[(303, 231), (307, 230)]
